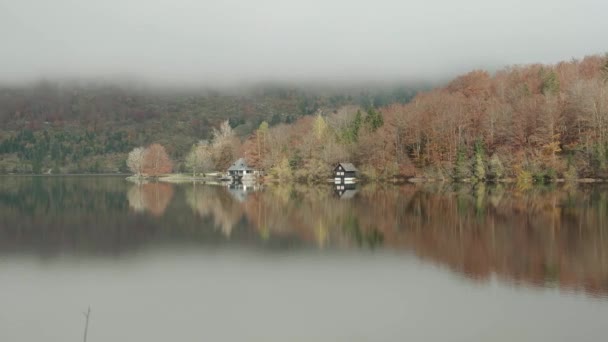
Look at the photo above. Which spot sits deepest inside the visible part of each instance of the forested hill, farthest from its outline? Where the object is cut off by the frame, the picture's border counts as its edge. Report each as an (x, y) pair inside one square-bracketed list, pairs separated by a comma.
[(73, 128), (533, 123)]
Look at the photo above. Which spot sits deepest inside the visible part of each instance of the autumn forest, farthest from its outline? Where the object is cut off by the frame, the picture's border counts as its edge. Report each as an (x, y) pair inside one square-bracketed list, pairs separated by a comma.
[(533, 123)]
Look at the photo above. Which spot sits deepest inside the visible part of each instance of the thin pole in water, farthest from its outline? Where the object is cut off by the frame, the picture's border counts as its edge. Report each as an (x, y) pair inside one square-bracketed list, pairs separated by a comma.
[(86, 325)]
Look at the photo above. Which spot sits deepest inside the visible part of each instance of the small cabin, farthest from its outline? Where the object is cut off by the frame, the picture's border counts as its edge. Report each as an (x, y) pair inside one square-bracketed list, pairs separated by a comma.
[(241, 171), (345, 173)]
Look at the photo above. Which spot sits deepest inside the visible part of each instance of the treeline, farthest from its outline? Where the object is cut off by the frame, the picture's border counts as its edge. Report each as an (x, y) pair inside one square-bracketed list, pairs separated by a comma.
[(532, 123), (39, 151), (204, 156), (67, 128)]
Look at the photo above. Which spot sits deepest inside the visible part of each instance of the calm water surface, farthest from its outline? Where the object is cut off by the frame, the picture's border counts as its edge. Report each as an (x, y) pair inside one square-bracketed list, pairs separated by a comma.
[(160, 262)]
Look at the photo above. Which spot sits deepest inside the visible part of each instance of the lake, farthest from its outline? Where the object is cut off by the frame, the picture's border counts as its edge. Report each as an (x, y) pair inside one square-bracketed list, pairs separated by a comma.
[(194, 262)]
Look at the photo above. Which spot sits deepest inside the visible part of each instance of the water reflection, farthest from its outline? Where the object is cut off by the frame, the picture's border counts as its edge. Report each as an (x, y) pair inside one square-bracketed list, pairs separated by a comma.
[(556, 236), (240, 190), (222, 207), (151, 197), (345, 191)]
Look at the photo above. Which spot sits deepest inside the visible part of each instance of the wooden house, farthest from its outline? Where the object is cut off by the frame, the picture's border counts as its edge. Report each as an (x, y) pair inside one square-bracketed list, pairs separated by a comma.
[(345, 173), (240, 171)]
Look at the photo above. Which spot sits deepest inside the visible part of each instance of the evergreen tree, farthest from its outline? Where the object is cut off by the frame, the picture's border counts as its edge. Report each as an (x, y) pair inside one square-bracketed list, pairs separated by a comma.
[(374, 119), (351, 133), (356, 125), (479, 168), (461, 169), (598, 158), (550, 83), (261, 134)]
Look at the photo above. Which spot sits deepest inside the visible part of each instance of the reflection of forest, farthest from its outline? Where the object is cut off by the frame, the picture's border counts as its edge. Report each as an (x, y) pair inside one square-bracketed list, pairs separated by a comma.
[(543, 236), (540, 236), (216, 203)]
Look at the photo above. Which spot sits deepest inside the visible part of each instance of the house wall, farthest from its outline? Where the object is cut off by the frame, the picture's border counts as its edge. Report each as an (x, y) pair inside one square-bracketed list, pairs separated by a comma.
[(345, 174)]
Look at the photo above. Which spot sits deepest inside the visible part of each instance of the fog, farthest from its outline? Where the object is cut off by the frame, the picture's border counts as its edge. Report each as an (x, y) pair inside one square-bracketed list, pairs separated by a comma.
[(211, 42)]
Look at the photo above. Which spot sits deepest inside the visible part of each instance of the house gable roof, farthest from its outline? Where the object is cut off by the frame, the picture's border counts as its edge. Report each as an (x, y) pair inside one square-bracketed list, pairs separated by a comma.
[(239, 165), (348, 167)]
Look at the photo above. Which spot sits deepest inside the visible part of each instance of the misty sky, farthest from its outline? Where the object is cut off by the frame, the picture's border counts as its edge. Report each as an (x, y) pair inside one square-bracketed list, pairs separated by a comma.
[(201, 41)]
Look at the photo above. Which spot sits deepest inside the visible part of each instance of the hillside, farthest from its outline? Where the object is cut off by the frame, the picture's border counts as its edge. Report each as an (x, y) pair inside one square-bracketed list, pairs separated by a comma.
[(75, 128), (534, 123)]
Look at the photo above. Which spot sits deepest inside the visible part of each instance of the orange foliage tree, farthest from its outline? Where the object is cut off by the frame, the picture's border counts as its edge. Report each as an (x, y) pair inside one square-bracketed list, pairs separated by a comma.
[(156, 161)]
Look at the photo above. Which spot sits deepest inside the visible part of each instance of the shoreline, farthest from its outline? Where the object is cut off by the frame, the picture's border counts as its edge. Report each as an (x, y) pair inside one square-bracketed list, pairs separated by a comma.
[(183, 178)]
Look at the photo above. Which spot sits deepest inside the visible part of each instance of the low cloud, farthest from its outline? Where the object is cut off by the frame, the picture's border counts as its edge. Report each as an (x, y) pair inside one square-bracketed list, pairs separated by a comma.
[(186, 42)]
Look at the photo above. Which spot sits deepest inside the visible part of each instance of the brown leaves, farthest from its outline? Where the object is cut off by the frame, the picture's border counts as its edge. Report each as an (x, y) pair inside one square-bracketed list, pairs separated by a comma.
[(522, 112), (474, 84), (156, 162)]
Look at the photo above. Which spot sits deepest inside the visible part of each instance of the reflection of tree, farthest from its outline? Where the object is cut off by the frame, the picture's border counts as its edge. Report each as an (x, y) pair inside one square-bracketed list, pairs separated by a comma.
[(77, 214), (151, 197), (536, 237), (287, 210), (135, 197), (215, 202)]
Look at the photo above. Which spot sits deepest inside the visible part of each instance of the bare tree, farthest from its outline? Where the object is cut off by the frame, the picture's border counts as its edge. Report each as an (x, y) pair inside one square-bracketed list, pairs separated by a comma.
[(200, 158), (135, 160), (223, 146), (223, 135)]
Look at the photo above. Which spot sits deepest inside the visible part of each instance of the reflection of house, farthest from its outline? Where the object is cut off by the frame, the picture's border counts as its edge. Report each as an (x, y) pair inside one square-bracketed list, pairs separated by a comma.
[(240, 191), (345, 173), (346, 191), (240, 171)]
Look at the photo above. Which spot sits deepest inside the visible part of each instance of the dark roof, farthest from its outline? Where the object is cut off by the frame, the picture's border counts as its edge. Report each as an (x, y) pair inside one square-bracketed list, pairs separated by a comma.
[(239, 165), (348, 167)]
